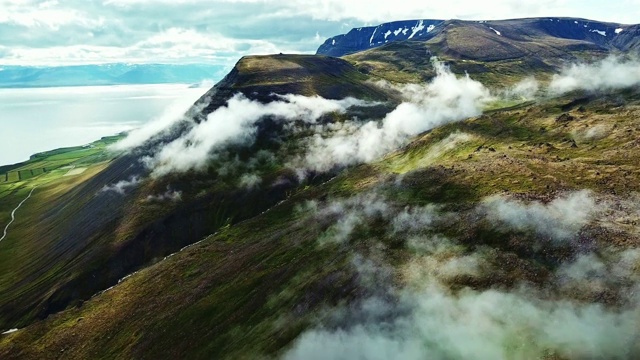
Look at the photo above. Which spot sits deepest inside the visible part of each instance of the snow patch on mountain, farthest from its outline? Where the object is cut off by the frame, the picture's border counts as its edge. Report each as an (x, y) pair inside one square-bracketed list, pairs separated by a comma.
[(419, 27), (372, 35)]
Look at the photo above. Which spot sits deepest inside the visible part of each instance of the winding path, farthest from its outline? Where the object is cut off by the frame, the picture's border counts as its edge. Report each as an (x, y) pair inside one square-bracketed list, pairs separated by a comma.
[(13, 214)]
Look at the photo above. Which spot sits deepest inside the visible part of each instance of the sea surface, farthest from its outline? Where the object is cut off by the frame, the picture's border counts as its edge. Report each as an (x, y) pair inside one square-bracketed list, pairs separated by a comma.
[(41, 119)]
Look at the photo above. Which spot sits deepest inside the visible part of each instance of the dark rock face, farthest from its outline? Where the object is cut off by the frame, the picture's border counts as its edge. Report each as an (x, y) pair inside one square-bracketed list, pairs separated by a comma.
[(584, 32), (565, 118), (363, 38)]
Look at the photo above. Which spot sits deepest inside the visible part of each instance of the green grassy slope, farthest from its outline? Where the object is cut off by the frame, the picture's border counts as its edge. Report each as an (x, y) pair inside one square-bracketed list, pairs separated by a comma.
[(250, 289), (52, 175)]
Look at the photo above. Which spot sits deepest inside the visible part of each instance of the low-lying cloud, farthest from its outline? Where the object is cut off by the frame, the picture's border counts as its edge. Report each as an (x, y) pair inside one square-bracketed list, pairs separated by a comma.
[(611, 73), (122, 186), (235, 123), (560, 219), (326, 146), (346, 215), (169, 195), (420, 316), (525, 89), (478, 325)]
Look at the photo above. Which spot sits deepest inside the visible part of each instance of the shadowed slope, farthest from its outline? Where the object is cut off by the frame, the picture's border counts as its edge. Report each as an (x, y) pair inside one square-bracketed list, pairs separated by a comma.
[(88, 238)]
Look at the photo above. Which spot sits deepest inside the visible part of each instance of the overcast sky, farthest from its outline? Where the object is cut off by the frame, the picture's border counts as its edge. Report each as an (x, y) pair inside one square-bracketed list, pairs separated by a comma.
[(39, 32)]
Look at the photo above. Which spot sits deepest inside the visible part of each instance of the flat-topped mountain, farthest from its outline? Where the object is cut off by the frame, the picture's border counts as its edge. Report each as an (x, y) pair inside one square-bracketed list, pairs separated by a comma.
[(259, 77)]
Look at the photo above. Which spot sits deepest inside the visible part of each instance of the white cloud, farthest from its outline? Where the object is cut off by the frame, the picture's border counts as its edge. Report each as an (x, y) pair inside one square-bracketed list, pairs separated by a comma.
[(235, 124), (250, 181), (426, 318), (610, 73), (525, 89), (173, 45), (351, 213), (373, 11), (168, 195), (122, 186), (415, 219), (46, 15), (42, 32)]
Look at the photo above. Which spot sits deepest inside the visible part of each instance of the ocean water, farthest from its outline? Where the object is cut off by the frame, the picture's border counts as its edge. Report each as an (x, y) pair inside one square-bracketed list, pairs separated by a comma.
[(35, 120)]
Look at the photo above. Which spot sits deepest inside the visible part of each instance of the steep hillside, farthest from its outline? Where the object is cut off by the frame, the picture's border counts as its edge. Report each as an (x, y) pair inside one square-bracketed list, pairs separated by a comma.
[(336, 259), (260, 77), (83, 233)]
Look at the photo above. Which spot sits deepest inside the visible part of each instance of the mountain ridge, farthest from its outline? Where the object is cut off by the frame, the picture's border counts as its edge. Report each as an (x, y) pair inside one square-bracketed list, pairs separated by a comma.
[(12, 76), (600, 33)]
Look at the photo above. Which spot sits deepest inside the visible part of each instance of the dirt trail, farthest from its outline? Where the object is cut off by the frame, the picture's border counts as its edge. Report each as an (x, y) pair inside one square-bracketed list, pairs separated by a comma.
[(13, 214)]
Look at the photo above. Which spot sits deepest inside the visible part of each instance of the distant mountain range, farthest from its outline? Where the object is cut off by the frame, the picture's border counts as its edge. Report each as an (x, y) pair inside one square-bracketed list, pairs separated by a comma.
[(606, 35), (107, 74)]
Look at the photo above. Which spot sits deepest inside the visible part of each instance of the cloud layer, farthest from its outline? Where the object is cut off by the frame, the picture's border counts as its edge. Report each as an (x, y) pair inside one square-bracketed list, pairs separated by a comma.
[(423, 317), (479, 325), (220, 31)]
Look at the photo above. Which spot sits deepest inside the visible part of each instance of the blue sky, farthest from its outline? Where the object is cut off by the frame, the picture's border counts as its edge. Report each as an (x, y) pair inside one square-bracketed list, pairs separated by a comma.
[(50, 32)]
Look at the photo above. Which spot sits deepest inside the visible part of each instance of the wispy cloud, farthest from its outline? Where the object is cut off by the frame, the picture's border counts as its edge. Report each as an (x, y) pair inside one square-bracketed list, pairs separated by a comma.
[(122, 186), (174, 113), (221, 31), (235, 124), (487, 325), (421, 316), (447, 98)]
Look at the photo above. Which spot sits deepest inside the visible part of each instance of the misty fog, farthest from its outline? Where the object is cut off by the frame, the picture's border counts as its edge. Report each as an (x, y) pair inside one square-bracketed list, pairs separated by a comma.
[(42, 119)]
